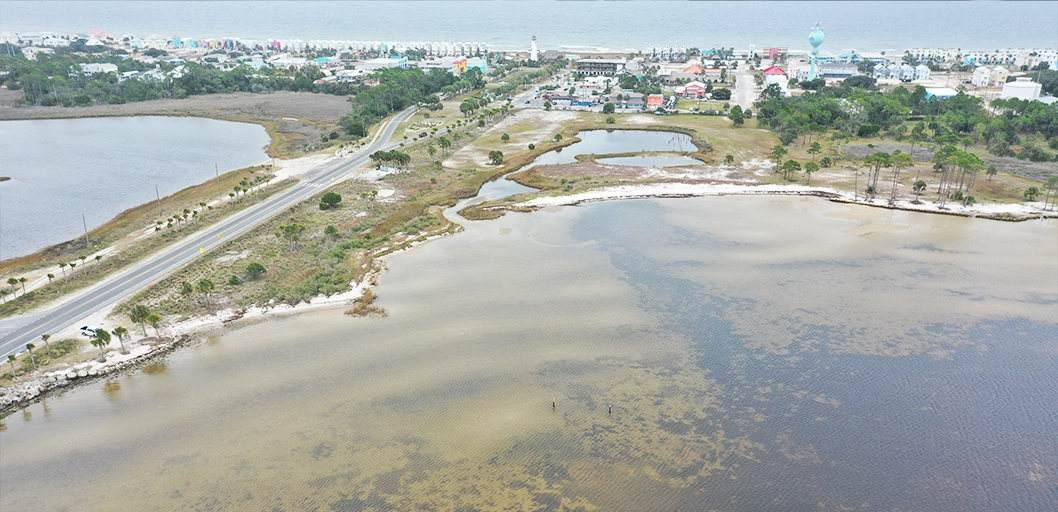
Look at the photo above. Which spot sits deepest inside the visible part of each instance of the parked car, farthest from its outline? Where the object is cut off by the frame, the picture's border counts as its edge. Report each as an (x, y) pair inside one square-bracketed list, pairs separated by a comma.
[(88, 332)]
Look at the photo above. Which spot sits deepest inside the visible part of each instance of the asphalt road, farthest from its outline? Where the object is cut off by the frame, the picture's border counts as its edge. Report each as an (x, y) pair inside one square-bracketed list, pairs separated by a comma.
[(156, 267)]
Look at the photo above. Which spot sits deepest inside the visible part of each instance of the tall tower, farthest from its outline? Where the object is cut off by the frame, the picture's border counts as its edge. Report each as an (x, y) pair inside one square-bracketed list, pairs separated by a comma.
[(532, 50), (815, 38)]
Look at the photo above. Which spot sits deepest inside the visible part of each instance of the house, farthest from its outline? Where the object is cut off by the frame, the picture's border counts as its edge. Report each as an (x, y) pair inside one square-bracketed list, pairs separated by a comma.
[(695, 70), (895, 71), (776, 75), (712, 74), (655, 100), (95, 68), (694, 90), (999, 75), (907, 73), (1022, 88), (922, 72), (31, 52), (880, 73), (981, 76)]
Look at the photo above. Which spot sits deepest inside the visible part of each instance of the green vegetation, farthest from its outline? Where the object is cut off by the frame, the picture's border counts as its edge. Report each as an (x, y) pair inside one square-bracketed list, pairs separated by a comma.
[(857, 109), (398, 89), (58, 80)]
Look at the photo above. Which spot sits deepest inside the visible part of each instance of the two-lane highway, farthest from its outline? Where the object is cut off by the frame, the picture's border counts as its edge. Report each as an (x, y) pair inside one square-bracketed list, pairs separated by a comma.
[(154, 268)]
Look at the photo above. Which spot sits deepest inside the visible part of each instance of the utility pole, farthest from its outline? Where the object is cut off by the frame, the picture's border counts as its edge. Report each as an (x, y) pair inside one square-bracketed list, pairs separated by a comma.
[(156, 195), (85, 224)]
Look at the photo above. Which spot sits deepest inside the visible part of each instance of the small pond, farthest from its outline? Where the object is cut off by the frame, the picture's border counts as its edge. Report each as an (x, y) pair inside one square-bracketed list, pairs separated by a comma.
[(603, 142), (651, 160)]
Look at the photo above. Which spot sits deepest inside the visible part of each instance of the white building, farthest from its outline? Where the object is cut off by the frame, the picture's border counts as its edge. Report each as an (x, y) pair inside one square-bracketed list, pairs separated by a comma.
[(1022, 88), (533, 53), (91, 69), (981, 76), (922, 72)]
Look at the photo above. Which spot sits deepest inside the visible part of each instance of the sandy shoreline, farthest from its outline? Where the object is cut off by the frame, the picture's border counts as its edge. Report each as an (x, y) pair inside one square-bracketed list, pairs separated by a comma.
[(1007, 212)]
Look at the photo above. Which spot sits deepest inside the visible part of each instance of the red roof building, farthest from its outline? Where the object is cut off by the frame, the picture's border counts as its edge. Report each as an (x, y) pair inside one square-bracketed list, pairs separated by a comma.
[(694, 90), (655, 100), (696, 69), (774, 70)]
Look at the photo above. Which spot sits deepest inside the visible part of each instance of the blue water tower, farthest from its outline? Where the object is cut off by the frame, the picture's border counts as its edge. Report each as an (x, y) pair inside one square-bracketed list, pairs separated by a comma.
[(815, 38)]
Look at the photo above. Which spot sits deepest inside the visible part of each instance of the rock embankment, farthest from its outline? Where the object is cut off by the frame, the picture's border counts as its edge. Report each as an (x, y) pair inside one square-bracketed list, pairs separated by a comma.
[(57, 381)]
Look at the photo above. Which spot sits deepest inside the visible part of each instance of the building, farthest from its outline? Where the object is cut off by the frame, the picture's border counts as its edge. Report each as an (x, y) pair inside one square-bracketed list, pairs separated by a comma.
[(712, 74), (999, 76), (1022, 88), (940, 92), (31, 52), (776, 75), (533, 52), (655, 100), (922, 72), (600, 66), (92, 69), (981, 77), (694, 90), (392, 62)]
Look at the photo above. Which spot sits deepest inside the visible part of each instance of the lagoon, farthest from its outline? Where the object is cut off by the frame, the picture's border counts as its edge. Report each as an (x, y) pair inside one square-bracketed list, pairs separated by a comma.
[(606, 142), (99, 167), (777, 353)]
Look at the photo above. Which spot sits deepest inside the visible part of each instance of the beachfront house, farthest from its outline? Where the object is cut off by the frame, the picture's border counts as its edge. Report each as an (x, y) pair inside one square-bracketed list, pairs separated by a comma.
[(922, 72)]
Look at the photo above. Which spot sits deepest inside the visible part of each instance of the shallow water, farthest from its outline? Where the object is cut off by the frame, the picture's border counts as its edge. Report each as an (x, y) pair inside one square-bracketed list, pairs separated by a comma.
[(605, 142), (758, 353), (99, 167), (651, 160)]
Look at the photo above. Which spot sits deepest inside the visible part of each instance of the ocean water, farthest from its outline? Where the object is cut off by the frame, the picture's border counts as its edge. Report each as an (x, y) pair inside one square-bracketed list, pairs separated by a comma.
[(728, 353), (895, 26), (99, 167)]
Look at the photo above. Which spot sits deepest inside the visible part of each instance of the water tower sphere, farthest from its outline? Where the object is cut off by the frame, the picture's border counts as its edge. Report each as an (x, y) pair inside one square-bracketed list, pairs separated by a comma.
[(816, 37)]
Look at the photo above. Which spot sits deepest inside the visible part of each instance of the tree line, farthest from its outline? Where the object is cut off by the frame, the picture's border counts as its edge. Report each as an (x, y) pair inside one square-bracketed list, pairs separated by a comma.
[(58, 80), (855, 108)]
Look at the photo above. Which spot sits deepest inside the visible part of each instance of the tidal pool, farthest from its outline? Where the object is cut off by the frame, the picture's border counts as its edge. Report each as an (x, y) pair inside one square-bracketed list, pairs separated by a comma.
[(605, 142), (765, 353)]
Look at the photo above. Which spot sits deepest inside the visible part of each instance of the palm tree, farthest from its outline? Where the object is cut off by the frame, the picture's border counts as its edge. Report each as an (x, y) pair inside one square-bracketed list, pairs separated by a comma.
[(72, 266), (899, 161), (82, 258), (62, 265), (14, 371), (30, 347), (50, 277), (186, 289), (100, 338), (3, 296), (12, 281), (121, 332), (45, 338), (139, 314), (99, 257), (22, 281), (154, 319), (205, 286), (919, 187)]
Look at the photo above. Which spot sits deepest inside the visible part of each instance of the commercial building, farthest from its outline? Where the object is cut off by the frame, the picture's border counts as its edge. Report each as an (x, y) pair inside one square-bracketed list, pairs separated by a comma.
[(392, 62), (600, 66), (655, 100), (1022, 88)]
